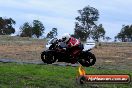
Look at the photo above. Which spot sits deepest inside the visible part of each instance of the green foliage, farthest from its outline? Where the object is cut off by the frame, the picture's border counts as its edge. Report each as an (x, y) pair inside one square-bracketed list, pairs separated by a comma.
[(86, 21), (53, 33), (38, 28), (81, 33), (28, 30), (98, 32), (125, 35), (50, 76), (6, 26)]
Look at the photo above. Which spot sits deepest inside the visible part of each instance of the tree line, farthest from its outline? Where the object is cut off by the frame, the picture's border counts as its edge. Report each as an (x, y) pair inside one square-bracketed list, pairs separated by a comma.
[(125, 35), (34, 29), (86, 27)]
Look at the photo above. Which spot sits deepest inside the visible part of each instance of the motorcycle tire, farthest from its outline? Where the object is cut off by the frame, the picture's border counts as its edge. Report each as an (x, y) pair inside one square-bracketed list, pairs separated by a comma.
[(48, 57), (88, 59)]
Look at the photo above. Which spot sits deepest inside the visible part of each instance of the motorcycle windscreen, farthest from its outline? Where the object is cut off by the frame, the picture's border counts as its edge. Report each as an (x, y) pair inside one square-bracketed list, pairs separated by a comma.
[(53, 40), (50, 42)]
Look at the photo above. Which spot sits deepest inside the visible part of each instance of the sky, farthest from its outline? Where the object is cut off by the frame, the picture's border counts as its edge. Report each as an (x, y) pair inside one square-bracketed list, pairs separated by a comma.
[(62, 13)]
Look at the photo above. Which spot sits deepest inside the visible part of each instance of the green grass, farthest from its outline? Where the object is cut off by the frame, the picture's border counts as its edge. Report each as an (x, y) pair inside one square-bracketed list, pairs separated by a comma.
[(14, 75)]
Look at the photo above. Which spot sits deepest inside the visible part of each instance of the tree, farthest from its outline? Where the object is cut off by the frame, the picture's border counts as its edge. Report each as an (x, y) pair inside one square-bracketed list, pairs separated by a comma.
[(38, 28), (98, 32), (125, 35), (121, 36), (26, 30), (85, 22), (53, 33), (54, 30), (107, 38), (6, 26)]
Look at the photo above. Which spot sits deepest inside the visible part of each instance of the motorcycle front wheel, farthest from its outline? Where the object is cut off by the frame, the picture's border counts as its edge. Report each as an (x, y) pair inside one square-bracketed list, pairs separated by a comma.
[(48, 57), (87, 59)]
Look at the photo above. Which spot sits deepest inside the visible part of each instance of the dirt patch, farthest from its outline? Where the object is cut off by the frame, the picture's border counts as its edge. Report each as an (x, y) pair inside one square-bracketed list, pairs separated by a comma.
[(21, 50), (116, 55)]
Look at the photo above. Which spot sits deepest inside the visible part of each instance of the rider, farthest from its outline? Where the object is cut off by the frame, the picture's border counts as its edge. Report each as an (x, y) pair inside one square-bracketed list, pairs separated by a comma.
[(72, 44), (70, 41)]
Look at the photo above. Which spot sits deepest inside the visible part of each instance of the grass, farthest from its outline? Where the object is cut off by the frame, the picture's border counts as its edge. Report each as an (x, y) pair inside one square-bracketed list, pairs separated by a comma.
[(14, 75)]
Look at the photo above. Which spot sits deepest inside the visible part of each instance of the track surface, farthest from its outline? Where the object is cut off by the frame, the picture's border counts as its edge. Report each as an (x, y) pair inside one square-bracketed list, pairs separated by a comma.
[(19, 62)]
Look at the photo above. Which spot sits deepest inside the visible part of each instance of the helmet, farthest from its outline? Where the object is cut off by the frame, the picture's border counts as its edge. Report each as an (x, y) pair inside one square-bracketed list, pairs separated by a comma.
[(65, 37)]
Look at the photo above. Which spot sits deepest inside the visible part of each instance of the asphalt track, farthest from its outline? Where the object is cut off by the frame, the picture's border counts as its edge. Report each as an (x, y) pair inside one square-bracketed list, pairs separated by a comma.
[(39, 63)]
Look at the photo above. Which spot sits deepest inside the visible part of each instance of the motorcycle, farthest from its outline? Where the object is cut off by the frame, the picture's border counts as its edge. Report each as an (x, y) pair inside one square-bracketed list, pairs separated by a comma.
[(56, 51)]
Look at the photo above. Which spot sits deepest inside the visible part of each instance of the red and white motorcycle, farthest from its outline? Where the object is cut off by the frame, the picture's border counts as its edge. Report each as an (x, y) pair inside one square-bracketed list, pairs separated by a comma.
[(57, 52)]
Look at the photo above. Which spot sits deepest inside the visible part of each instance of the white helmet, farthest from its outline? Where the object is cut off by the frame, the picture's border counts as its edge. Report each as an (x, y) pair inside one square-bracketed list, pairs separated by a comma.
[(65, 37)]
